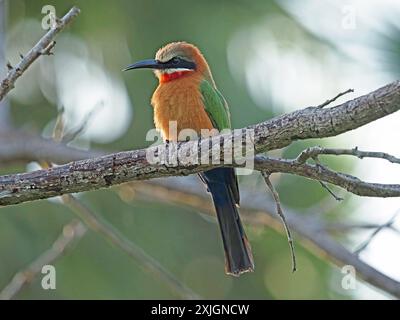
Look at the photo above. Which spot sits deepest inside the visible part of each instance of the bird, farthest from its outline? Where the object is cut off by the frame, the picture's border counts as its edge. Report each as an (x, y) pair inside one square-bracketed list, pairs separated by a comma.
[(188, 95)]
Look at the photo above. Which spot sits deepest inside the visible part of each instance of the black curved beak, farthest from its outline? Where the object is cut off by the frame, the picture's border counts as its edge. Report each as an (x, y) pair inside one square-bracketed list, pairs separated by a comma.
[(155, 64), (145, 64)]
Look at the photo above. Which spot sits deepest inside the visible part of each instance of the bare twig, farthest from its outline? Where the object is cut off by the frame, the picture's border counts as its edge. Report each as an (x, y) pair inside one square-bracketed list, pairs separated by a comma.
[(71, 233), (275, 133), (279, 211), (43, 46), (75, 132), (345, 227), (325, 186), (313, 152), (329, 101), (388, 224), (5, 115)]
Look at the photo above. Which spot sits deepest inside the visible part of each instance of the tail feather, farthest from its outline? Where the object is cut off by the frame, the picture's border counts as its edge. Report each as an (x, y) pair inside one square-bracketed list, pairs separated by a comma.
[(222, 185)]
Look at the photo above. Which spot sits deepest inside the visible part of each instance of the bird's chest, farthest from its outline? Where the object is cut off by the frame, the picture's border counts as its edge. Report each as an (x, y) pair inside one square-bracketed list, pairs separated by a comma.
[(178, 108)]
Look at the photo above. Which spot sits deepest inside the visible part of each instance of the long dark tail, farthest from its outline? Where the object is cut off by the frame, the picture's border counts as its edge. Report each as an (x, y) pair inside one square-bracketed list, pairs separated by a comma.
[(222, 184)]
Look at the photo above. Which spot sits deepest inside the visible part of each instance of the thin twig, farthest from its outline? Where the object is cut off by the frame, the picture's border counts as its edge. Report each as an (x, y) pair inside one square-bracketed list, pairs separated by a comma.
[(282, 216), (43, 46), (323, 184), (316, 151), (345, 227), (75, 132), (329, 101), (388, 224), (71, 234)]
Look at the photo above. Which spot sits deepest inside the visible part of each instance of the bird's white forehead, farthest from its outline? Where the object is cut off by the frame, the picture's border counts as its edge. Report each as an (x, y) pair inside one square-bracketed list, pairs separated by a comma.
[(167, 53), (165, 56)]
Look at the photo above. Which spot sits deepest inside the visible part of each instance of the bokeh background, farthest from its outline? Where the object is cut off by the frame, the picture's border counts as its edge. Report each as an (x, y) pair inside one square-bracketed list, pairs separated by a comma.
[(267, 57)]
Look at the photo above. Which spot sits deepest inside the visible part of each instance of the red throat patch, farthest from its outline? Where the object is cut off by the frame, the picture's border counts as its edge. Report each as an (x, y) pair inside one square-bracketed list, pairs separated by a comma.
[(166, 77)]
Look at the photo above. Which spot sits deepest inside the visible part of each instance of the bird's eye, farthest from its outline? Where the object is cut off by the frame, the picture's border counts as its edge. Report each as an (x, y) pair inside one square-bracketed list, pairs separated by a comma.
[(175, 60)]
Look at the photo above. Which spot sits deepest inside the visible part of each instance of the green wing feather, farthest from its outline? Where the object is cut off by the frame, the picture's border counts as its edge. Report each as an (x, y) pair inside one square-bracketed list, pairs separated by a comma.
[(215, 105), (218, 111)]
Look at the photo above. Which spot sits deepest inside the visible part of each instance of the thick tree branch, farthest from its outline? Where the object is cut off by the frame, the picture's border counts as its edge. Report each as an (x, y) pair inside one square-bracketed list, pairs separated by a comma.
[(388, 224), (278, 132), (103, 172), (43, 46), (314, 122)]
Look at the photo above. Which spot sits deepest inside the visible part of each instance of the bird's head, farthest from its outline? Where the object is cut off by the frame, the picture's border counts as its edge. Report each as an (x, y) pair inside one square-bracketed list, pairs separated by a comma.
[(174, 61)]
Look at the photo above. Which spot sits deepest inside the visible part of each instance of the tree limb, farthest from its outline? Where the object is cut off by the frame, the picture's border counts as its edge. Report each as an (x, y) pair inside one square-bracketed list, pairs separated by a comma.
[(278, 132), (5, 119), (279, 211), (329, 101)]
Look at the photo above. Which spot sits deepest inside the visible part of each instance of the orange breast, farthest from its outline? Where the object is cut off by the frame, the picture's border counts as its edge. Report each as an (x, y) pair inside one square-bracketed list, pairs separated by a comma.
[(179, 101)]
